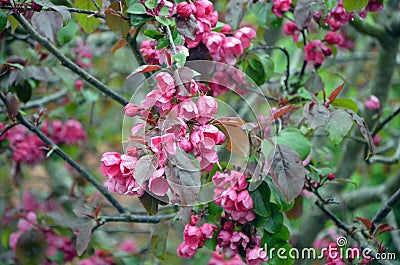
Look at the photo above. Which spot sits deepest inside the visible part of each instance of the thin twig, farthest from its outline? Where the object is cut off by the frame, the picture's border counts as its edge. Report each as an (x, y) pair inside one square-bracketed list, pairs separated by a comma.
[(96, 5), (8, 128), (45, 100), (56, 149), (385, 210), (92, 13), (171, 40), (135, 218), (65, 61), (132, 42), (385, 121)]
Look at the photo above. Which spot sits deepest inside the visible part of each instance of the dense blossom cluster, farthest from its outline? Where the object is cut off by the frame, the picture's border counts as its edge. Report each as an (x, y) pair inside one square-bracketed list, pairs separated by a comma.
[(175, 121), (315, 51), (29, 149), (224, 46)]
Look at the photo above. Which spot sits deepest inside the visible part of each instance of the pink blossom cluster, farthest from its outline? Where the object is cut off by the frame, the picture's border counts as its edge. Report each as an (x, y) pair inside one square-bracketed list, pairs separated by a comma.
[(281, 6), (372, 103), (168, 111), (29, 149), (194, 237), (230, 192), (316, 51), (84, 57), (223, 46), (119, 171), (54, 241), (218, 258), (100, 257), (70, 132)]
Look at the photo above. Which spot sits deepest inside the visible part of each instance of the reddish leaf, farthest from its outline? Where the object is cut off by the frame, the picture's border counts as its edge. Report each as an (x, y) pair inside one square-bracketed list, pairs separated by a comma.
[(12, 106), (47, 23), (365, 221), (186, 26), (118, 45), (144, 169), (83, 235), (97, 211), (235, 11), (297, 211), (384, 228), (231, 121), (145, 69), (363, 127), (149, 203), (287, 171), (335, 93), (283, 111)]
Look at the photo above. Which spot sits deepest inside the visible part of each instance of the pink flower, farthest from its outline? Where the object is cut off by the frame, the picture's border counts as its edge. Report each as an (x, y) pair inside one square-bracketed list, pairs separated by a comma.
[(256, 256), (158, 184), (73, 132), (186, 251), (184, 9), (54, 130), (213, 42), (290, 28), (29, 150), (219, 259), (315, 52), (131, 110), (166, 84), (226, 29), (373, 103), (203, 8), (280, 6), (129, 246), (188, 110), (231, 46), (207, 106), (79, 85), (245, 35), (83, 54), (338, 17), (207, 230), (332, 37), (110, 164)]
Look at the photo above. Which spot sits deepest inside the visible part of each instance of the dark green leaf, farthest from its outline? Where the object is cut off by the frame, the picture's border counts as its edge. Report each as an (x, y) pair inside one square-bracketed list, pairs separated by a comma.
[(268, 65), (284, 249), (137, 20), (339, 125), (165, 21), (162, 43), (154, 34), (287, 171), (158, 241), (151, 4), (149, 203), (278, 197), (3, 20), (274, 222), (179, 58), (293, 138), (261, 197), (255, 69), (65, 34), (314, 83), (24, 91)]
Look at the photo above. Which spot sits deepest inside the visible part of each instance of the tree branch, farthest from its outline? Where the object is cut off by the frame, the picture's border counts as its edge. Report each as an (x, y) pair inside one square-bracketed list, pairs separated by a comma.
[(65, 61), (385, 210), (369, 29), (96, 14), (135, 218), (382, 124), (44, 100), (56, 149)]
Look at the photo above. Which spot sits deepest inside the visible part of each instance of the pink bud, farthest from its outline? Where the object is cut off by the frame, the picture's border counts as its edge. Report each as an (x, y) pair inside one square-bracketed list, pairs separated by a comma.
[(373, 103), (184, 9), (131, 110), (331, 176), (226, 29), (79, 85)]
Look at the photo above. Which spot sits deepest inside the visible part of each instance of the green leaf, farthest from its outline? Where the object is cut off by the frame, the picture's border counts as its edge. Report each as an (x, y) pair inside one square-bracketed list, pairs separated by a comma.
[(151, 4), (162, 43), (24, 91), (294, 139), (62, 10), (137, 9), (158, 241), (154, 34), (331, 4), (268, 65), (3, 20), (274, 222), (137, 20), (354, 5), (278, 197), (346, 103), (261, 198), (165, 21), (339, 125), (255, 69), (65, 34), (284, 251), (179, 58), (88, 24)]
